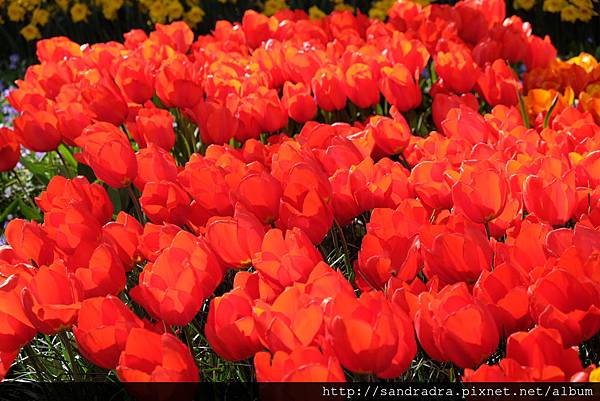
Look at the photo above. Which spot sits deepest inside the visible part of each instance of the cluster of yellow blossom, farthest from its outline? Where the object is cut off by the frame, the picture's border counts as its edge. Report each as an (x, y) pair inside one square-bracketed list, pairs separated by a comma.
[(31, 15), (570, 10), (578, 78)]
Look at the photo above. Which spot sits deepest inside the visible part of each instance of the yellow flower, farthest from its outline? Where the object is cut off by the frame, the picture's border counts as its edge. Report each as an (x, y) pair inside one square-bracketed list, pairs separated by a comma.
[(195, 15), (174, 10), (30, 32), (586, 14), (554, 6), (40, 17), (62, 4), (569, 13), (158, 12), (343, 7), (79, 12), (595, 375), (15, 12), (582, 3), (273, 6), (315, 12), (523, 4)]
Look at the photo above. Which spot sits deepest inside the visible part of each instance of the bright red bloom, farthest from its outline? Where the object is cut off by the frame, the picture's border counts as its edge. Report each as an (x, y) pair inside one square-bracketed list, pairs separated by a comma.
[(432, 181), (230, 328), (62, 193), (499, 84), (293, 320), (103, 98), (6, 361), (72, 119), (174, 287), (30, 242), (178, 82), (102, 329), (37, 128), (104, 274), (391, 136), (10, 150), (216, 119), (51, 299), (443, 103), (16, 330), (298, 101), (369, 336), (361, 86), (177, 35), (551, 199), (108, 152), (466, 123), (567, 302), (537, 355), (480, 192), (155, 238), (304, 364), (165, 202), (457, 68), (156, 126), (123, 236), (154, 164), (452, 326), (504, 291), (169, 360), (328, 87), (285, 260), (400, 88), (390, 247), (242, 233), (260, 193), (135, 78)]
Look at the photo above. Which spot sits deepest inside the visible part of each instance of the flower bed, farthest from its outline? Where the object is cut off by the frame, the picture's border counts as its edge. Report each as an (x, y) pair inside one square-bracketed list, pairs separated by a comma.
[(289, 199)]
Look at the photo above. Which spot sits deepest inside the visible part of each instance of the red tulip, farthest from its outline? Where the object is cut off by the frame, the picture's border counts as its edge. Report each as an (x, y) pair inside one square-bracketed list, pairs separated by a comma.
[(260, 193), (178, 82), (103, 98), (154, 164), (399, 87), (298, 101), (304, 364), (457, 68), (328, 87), (499, 84), (169, 361), (108, 152), (551, 199), (102, 329), (432, 181), (480, 192), (10, 150), (104, 274), (165, 202), (6, 361), (156, 126), (391, 136), (361, 86), (123, 236), (452, 326), (230, 328), (568, 303), (37, 128), (51, 299), (30, 242), (174, 287), (16, 330), (135, 79)]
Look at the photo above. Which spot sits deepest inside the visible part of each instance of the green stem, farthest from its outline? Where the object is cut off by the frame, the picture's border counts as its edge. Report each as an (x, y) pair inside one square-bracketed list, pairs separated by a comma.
[(22, 186), (522, 109), (550, 110), (67, 343), (37, 365)]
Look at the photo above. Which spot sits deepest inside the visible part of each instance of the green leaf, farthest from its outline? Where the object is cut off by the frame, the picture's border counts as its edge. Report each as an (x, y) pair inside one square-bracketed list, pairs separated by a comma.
[(29, 212), (8, 210), (36, 169)]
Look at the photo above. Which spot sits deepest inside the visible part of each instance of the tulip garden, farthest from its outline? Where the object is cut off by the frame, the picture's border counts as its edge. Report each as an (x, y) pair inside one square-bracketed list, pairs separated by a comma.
[(333, 198)]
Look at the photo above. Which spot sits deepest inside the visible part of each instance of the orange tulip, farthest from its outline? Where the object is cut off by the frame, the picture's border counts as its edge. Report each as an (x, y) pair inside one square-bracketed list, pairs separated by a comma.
[(361, 86)]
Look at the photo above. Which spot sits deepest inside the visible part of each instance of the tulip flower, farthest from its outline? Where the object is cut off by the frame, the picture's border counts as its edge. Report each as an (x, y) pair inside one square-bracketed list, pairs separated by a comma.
[(135, 79), (298, 102), (156, 126), (104, 99), (154, 164), (260, 193), (361, 86), (108, 152), (10, 150), (452, 326), (498, 84), (178, 83), (480, 192), (457, 68), (104, 275), (102, 329), (123, 236), (37, 128), (6, 361), (165, 202), (174, 287), (230, 328), (16, 330), (169, 361), (570, 304), (30, 242), (243, 233), (305, 364), (399, 87), (552, 200), (51, 300), (328, 87)]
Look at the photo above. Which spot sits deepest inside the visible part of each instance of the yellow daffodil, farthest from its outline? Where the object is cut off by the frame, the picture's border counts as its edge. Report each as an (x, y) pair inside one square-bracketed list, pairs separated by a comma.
[(523, 4), (30, 32), (79, 12), (40, 17), (16, 12)]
